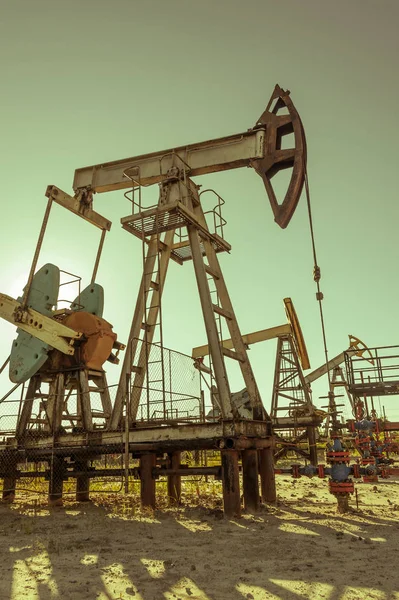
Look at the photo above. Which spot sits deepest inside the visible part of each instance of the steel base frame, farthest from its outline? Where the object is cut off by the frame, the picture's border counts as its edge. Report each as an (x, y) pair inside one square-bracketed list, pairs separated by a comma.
[(250, 441)]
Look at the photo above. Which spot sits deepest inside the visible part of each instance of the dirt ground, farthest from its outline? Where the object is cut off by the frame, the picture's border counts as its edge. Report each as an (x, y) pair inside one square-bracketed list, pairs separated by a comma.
[(109, 549)]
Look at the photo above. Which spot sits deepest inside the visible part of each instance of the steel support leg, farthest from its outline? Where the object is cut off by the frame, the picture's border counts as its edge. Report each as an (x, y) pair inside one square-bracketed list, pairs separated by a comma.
[(174, 481), (231, 483), (82, 483), (311, 435), (56, 483), (267, 476), (9, 485), (9, 465), (342, 503), (147, 463), (250, 480), (218, 364)]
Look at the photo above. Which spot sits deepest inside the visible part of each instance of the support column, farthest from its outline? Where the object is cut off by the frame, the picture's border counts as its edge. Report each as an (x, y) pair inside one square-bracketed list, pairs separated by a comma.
[(137, 323), (9, 466), (147, 463), (250, 480), (231, 483), (26, 409), (82, 482), (9, 485), (343, 503), (174, 481), (101, 383), (85, 400), (311, 435), (56, 483), (267, 476), (215, 350)]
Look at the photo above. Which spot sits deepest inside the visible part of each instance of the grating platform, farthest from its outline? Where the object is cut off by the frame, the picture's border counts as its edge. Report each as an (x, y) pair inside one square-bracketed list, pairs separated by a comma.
[(375, 388), (156, 220), (183, 250), (172, 216), (375, 373)]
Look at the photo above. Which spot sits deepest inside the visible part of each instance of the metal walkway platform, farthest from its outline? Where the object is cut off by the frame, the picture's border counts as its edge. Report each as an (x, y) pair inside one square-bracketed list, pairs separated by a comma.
[(374, 375)]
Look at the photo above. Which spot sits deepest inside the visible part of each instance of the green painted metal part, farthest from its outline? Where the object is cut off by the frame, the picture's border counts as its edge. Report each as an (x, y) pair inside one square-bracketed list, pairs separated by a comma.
[(43, 294), (28, 353), (91, 300)]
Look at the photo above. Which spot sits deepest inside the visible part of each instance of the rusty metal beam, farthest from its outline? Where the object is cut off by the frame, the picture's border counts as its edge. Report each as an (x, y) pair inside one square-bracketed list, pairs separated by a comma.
[(174, 479), (357, 347), (190, 434), (231, 483), (82, 481), (205, 157), (322, 370), (259, 147), (147, 464), (44, 328), (298, 422), (267, 476), (297, 334), (250, 480), (247, 338), (78, 207), (56, 482)]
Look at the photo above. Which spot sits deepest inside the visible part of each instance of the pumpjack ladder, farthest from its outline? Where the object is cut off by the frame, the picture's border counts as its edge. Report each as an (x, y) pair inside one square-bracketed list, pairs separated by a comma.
[(179, 208)]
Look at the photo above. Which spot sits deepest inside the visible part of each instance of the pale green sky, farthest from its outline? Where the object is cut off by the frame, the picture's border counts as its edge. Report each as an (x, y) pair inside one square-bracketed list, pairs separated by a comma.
[(87, 82)]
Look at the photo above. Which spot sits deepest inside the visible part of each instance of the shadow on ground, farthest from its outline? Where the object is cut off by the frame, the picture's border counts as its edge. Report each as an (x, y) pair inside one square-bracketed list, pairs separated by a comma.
[(109, 549)]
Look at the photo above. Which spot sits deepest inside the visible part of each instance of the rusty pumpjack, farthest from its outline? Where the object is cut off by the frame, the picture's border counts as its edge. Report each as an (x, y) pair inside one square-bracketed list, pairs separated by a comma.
[(298, 422), (289, 386), (369, 372), (176, 228)]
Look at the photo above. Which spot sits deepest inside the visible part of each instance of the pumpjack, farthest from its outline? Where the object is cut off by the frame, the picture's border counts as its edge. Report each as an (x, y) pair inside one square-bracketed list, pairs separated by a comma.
[(67, 349), (295, 418)]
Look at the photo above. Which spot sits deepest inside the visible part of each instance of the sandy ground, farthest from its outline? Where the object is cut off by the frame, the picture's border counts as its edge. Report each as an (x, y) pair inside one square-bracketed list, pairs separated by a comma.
[(109, 549)]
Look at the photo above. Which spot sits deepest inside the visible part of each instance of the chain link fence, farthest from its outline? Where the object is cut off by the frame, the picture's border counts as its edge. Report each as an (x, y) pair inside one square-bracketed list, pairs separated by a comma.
[(172, 387), (171, 393)]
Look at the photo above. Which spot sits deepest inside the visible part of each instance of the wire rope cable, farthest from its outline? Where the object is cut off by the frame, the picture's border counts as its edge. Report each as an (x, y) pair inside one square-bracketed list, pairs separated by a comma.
[(317, 274)]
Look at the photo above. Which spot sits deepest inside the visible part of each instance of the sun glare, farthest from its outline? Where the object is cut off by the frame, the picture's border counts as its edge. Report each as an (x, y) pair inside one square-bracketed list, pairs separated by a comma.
[(17, 285)]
